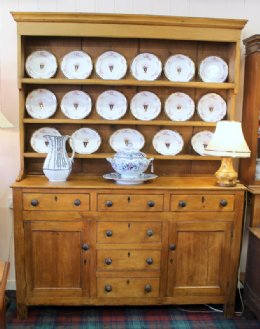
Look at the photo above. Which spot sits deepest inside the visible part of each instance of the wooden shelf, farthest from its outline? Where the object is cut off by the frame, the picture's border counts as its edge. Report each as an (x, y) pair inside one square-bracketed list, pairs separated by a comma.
[(122, 122), (188, 157), (129, 82)]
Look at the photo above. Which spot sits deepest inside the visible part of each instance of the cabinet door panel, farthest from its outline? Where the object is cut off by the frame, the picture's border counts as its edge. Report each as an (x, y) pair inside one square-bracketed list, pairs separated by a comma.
[(198, 263), (55, 259)]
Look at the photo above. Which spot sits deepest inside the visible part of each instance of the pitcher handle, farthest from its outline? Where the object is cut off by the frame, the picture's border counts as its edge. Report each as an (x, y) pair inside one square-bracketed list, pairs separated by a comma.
[(72, 147)]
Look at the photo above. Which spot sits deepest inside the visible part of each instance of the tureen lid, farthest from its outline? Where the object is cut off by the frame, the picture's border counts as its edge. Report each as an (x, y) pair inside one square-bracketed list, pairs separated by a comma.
[(130, 153)]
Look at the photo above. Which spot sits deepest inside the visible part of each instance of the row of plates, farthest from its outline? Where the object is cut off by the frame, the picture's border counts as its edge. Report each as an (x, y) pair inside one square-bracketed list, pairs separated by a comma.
[(112, 105), (111, 65), (87, 140)]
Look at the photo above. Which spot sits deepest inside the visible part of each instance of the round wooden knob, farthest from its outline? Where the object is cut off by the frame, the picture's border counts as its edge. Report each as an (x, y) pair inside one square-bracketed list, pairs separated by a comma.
[(150, 232), (182, 204), (77, 202), (148, 288), (109, 203), (108, 261), (149, 261), (151, 204), (34, 202), (109, 233), (223, 203), (172, 246), (85, 246)]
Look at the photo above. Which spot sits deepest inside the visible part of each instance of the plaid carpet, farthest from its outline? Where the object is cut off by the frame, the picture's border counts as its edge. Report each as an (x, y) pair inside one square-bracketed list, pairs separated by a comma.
[(165, 317)]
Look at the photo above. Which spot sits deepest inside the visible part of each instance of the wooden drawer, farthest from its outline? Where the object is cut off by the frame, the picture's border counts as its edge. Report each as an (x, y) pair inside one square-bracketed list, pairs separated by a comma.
[(129, 232), (130, 202), (55, 201), (124, 287), (121, 260), (202, 202)]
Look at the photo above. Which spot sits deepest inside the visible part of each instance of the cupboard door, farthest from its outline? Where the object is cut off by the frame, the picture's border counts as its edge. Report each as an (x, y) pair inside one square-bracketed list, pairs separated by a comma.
[(57, 258), (199, 255)]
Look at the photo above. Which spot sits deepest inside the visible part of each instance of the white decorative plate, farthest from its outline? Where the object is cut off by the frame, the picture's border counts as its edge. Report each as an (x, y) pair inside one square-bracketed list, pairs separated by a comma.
[(146, 66), (213, 69), (168, 142), (145, 105), (129, 181), (122, 138), (111, 66), (211, 107), (76, 104), (40, 143), (76, 65), (111, 105), (179, 107), (85, 141), (41, 64), (179, 68), (41, 103), (200, 141)]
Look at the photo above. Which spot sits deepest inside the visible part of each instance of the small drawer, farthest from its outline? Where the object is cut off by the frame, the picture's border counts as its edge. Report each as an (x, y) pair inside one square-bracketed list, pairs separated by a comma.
[(55, 201), (128, 287), (202, 202), (122, 260), (129, 232), (130, 202)]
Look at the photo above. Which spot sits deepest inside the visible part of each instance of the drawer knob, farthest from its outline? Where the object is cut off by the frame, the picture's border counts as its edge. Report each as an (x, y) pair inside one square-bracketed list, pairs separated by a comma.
[(182, 204), (77, 202), (150, 232), (108, 261), (85, 246), (109, 233), (149, 261), (108, 288), (109, 203), (34, 202), (172, 246), (223, 203), (148, 288), (151, 204)]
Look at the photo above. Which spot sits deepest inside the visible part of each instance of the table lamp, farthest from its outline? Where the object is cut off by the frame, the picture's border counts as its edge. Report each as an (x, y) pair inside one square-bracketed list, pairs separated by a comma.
[(227, 142), (4, 123)]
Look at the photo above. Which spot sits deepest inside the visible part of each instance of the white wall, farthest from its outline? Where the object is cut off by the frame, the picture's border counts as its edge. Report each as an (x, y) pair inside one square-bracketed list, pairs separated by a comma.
[(9, 139)]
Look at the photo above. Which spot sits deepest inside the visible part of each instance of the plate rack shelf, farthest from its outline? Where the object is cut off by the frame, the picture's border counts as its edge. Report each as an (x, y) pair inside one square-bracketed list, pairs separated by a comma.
[(196, 38)]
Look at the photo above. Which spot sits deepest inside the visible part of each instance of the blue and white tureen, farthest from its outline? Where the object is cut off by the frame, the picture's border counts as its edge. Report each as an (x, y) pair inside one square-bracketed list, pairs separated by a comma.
[(130, 163)]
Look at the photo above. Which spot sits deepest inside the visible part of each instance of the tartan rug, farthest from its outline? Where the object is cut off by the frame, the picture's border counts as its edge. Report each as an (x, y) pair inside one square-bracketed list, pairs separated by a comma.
[(120, 317)]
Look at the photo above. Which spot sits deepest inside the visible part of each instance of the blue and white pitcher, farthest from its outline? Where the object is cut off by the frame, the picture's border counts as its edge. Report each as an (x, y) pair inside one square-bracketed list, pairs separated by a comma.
[(57, 165)]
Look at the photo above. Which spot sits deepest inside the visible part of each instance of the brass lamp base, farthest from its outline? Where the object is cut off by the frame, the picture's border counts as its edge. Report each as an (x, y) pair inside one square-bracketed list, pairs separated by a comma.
[(226, 174)]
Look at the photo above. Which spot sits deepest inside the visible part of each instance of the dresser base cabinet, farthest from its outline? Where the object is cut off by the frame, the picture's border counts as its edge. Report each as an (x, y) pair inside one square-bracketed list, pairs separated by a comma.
[(92, 242)]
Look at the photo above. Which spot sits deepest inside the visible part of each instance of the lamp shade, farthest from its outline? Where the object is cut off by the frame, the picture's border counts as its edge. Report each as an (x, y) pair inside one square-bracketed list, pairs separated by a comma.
[(228, 141), (4, 123)]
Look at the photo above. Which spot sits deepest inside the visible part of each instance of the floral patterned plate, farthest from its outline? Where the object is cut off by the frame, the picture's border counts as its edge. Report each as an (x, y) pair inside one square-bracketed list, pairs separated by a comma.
[(146, 66), (168, 142), (41, 103)]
